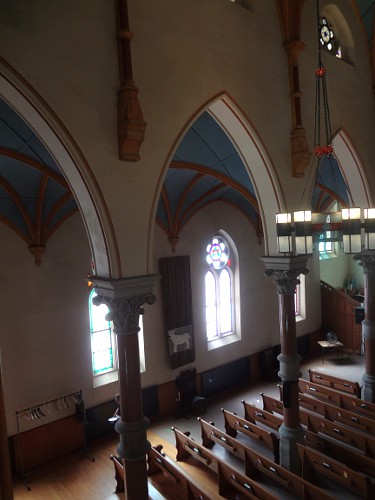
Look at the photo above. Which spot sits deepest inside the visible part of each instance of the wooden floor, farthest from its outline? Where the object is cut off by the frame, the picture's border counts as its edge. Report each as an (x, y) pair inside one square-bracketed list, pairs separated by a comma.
[(77, 477), (82, 476)]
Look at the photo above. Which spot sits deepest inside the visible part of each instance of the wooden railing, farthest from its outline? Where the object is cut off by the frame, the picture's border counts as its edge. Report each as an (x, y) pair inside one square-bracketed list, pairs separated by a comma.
[(338, 315)]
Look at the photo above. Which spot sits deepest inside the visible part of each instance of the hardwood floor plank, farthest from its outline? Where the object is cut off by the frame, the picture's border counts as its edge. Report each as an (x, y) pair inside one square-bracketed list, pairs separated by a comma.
[(75, 477)]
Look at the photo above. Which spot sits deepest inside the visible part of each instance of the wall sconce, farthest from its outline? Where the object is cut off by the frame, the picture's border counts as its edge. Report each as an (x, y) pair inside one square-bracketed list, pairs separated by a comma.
[(351, 229), (302, 241)]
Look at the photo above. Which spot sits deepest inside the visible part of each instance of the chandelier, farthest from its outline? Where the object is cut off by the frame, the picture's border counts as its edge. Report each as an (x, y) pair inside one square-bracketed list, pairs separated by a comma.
[(295, 231)]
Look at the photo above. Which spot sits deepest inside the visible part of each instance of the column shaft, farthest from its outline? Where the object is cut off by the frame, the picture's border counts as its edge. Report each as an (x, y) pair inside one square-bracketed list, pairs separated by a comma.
[(367, 261), (125, 298), (6, 483), (285, 272)]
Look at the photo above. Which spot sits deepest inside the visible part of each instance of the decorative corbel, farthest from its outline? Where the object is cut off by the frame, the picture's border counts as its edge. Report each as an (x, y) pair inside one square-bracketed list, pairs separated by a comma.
[(37, 251), (173, 240), (290, 18), (130, 124)]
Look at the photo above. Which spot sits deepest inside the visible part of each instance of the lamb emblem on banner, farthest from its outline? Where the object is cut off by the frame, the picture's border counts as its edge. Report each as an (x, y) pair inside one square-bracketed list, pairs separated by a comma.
[(183, 340)]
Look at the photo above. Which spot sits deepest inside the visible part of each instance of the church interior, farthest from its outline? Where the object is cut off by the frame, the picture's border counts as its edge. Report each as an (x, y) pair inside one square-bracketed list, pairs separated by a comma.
[(171, 148)]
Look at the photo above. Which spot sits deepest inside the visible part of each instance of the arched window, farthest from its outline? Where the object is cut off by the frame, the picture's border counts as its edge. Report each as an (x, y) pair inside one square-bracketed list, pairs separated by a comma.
[(328, 39), (219, 290), (103, 344), (102, 338)]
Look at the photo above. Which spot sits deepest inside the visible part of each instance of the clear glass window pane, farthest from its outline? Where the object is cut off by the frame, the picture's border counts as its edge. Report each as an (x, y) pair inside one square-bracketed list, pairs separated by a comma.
[(225, 302), (101, 341), (101, 337), (211, 309), (98, 314), (102, 360)]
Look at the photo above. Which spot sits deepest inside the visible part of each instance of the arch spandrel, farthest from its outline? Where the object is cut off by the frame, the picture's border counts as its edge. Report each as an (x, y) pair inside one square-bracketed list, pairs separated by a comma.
[(255, 159), (26, 102)]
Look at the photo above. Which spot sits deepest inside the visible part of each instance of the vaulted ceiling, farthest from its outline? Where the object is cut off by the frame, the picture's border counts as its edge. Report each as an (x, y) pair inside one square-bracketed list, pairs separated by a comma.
[(35, 199)]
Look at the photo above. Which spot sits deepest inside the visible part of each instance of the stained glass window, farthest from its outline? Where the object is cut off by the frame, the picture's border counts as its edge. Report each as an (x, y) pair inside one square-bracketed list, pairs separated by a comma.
[(102, 339), (219, 289), (327, 38)]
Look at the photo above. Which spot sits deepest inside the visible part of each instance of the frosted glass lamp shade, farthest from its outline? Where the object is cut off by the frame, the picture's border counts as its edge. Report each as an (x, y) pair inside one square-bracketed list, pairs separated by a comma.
[(351, 229), (369, 228), (303, 231), (284, 232)]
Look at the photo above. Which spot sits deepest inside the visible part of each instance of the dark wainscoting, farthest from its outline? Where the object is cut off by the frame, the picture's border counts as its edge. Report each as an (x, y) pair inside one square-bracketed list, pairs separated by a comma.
[(45, 443), (225, 377), (97, 417), (303, 346)]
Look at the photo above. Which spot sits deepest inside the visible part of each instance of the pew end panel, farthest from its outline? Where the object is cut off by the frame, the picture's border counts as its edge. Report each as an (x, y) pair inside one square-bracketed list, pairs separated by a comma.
[(119, 474)]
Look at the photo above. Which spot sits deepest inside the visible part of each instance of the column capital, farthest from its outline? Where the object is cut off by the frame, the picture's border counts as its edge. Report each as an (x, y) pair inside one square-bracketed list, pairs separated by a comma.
[(366, 260), (125, 298), (285, 271)]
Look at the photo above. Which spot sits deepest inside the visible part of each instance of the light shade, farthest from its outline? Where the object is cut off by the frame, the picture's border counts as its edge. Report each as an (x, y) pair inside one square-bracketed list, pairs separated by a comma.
[(303, 231), (369, 228), (351, 229), (284, 232)]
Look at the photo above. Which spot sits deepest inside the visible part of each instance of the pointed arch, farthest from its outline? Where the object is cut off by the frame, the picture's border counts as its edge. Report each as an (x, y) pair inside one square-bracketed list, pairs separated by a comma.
[(352, 169), (255, 159), (77, 173), (257, 163)]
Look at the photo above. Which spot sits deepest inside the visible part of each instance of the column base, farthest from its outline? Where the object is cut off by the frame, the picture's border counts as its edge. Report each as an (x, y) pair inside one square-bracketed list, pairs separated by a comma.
[(133, 439), (289, 458), (368, 388)]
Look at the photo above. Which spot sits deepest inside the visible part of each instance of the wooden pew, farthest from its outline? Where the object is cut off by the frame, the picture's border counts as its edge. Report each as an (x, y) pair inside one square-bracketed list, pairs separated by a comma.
[(337, 383), (233, 424), (211, 435), (337, 414), (316, 465), (351, 436), (353, 459), (255, 414), (228, 479), (260, 469), (359, 440), (272, 405), (257, 466), (176, 484), (119, 474), (337, 398), (326, 410)]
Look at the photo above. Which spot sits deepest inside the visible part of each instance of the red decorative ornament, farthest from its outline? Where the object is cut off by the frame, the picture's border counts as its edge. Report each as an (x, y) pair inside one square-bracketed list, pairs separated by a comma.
[(323, 150)]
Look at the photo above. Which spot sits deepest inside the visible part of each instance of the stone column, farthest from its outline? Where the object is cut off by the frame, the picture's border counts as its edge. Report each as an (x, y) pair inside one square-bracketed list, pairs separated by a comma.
[(125, 298), (285, 272), (367, 261)]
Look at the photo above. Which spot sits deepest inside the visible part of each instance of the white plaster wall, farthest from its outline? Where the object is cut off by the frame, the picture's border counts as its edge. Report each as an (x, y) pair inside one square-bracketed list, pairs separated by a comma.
[(184, 53), (45, 342), (259, 303), (335, 271)]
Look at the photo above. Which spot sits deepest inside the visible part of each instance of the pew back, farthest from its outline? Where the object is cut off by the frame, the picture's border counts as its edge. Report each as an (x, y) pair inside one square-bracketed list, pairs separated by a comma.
[(340, 384), (255, 414), (346, 401), (227, 477), (234, 424), (316, 464)]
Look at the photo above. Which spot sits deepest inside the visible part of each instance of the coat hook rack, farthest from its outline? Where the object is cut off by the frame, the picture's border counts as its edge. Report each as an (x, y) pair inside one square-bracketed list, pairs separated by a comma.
[(41, 410)]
